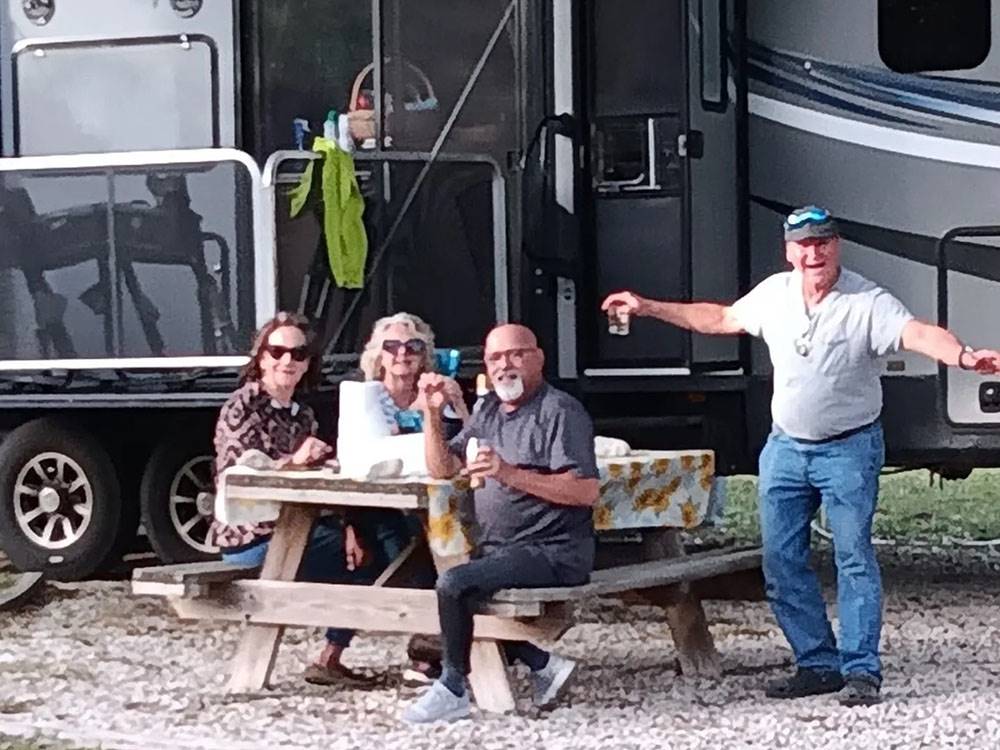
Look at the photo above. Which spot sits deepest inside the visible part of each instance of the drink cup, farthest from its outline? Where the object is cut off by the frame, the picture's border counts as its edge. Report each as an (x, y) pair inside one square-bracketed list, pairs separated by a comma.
[(618, 320), (471, 451)]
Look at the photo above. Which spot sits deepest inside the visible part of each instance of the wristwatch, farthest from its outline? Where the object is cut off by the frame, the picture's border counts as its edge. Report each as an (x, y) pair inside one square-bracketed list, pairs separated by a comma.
[(966, 349)]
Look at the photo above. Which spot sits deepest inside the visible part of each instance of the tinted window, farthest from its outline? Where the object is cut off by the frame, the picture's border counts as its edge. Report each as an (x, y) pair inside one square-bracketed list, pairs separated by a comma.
[(931, 35), (126, 262), (628, 80), (312, 51), (429, 82), (115, 97)]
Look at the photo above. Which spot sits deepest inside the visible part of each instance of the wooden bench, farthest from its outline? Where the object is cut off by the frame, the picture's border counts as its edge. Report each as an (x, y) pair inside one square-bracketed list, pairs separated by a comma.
[(272, 599), (218, 591)]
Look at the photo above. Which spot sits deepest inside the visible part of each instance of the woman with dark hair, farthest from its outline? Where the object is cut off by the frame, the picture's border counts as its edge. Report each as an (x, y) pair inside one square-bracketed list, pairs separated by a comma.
[(263, 415)]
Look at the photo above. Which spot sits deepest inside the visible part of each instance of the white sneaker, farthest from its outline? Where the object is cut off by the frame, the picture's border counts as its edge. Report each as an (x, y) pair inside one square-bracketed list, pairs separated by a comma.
[(549, 682), (437, 704), (414, 678)]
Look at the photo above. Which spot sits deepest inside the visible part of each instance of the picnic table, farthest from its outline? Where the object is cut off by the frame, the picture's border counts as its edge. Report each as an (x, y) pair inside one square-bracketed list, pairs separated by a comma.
[(660, 492)]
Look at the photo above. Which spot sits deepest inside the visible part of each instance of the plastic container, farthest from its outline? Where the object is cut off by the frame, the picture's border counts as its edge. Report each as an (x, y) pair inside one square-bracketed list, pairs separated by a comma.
[(344, 139), (330, 126)]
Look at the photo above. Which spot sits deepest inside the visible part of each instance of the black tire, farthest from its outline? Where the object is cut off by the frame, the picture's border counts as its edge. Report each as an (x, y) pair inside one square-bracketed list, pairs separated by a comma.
[(60, 502), (177, 468)]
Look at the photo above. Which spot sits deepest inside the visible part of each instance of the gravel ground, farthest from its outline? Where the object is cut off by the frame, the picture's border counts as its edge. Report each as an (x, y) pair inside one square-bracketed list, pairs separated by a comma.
[(94, 666)]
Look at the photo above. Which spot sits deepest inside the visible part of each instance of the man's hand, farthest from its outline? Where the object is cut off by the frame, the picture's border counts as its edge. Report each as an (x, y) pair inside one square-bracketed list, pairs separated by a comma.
[(983, 361), (455, 397), (433, 392), (635, 304), (311, 452), (488, 463), (354, 553)]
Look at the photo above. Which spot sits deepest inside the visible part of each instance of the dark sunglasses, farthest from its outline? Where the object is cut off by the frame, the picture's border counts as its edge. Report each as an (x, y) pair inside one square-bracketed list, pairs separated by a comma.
[(299, 353), (413, 346)]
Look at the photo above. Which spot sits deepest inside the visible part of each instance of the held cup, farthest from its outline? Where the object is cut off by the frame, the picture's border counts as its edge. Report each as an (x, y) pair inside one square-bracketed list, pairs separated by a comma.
[(618, 320), (471, 451)]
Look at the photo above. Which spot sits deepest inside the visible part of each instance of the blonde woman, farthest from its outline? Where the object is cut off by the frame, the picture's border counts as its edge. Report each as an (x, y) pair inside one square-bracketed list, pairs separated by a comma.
[(399, 350)]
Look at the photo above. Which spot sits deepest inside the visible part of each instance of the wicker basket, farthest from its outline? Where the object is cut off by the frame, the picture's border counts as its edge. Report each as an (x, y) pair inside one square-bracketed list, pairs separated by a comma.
[(416, 129)]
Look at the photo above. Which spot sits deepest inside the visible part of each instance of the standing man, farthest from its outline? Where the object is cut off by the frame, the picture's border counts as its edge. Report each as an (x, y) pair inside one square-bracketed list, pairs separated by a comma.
[(826, 329), (537, 477)]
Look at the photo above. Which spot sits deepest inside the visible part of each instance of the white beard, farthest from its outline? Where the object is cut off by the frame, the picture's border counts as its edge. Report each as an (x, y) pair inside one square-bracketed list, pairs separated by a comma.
[(509, 390)]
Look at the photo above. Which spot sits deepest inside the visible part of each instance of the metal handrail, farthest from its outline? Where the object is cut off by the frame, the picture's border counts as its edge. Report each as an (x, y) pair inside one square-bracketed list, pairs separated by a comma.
[(984, 230)]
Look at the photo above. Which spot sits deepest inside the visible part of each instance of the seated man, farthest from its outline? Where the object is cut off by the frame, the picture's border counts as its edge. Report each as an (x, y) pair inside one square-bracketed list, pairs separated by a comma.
[(537, 478)]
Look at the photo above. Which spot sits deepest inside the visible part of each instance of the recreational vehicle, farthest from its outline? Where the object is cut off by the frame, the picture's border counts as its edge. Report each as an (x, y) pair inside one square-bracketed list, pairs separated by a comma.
[(518, 160)]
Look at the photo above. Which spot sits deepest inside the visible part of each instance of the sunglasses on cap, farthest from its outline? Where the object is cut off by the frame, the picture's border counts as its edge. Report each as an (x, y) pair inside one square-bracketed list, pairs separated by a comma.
[(299, 353), (810, 215), (411, 347)]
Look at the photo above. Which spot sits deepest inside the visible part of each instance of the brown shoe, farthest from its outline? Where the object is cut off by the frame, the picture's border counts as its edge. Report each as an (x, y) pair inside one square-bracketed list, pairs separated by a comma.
[(425, 648), (336, 674)]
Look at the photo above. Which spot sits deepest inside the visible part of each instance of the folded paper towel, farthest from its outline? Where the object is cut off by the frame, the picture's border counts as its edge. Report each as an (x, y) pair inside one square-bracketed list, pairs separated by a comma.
[(606, 447), (364, 438), (245, 513)]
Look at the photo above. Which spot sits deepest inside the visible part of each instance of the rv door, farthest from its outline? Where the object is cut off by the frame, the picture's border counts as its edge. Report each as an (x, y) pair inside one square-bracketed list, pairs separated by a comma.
[(660, 179)]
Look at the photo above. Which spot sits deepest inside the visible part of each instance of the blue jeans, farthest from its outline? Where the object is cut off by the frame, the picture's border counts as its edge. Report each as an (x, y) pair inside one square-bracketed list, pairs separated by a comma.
[(384, 535), (842, 476)]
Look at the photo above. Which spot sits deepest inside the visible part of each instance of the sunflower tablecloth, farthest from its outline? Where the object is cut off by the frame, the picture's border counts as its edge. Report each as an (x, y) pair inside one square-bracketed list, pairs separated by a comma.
[(647, 489)]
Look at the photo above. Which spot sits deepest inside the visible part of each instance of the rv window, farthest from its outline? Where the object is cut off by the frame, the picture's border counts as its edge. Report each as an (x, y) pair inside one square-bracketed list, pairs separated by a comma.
[(313, 51), (431, 49), (111, 262), (70, 96), (713, 54), (627, 81), (933, 35)]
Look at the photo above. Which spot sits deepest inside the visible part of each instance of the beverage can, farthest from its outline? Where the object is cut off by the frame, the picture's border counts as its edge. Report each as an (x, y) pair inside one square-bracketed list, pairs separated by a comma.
[(471, 451)]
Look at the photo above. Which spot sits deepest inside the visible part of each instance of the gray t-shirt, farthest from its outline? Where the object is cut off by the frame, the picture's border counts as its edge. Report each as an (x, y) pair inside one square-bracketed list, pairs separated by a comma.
[(551, 433), (826, 361)]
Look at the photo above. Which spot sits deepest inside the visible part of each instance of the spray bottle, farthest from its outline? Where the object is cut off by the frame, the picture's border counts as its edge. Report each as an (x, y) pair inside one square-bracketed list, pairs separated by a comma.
[(330, 126)]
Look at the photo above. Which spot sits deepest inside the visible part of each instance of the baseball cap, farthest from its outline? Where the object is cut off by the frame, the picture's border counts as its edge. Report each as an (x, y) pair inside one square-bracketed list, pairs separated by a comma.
[(809, 222)]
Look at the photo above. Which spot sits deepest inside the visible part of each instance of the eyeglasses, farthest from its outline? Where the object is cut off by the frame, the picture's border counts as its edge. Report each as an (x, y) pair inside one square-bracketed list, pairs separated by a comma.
[(807, 216), (299, 353), (411, 347), (516, 356)]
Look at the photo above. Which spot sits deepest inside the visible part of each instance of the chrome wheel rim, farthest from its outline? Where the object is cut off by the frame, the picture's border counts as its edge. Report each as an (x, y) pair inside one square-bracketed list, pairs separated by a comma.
[(192, 502), (53, 501)]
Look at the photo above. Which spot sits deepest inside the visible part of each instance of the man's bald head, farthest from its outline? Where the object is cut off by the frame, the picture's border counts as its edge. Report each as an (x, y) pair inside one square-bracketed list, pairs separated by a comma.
[(513, 359), (511, 335)]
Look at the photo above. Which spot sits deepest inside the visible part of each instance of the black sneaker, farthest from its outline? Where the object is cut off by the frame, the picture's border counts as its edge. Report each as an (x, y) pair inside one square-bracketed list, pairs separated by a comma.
[(803, 683), (859, 690)]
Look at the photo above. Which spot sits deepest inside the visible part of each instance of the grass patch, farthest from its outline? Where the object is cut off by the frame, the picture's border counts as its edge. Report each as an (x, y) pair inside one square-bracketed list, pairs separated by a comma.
[(911, 508), (6, 579)]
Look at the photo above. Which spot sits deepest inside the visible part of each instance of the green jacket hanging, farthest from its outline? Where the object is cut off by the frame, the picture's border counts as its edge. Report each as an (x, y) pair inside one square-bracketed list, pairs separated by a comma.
[(343, 207)]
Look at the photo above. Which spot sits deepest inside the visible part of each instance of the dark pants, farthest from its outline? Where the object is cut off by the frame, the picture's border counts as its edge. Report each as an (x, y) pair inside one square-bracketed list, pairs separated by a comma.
[(384, 535), (462, 589)]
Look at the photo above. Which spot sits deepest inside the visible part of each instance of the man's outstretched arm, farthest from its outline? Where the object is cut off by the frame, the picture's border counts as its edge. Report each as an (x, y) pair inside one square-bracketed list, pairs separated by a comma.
[(700, 317), (941, 344)]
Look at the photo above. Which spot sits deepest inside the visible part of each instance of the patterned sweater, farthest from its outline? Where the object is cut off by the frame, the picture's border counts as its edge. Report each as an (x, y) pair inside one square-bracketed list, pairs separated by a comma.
[(249, 419)]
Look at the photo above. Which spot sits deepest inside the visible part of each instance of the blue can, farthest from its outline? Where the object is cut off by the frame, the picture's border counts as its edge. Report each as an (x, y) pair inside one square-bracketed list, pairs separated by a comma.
[(449, 361)]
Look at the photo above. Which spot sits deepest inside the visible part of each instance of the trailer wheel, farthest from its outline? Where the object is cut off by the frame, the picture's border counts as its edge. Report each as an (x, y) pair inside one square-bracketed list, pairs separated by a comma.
[(60, 503), (177, 499)]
